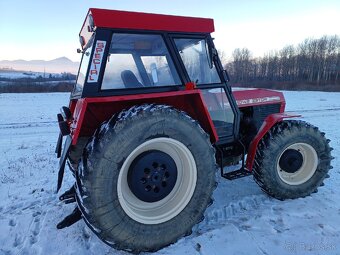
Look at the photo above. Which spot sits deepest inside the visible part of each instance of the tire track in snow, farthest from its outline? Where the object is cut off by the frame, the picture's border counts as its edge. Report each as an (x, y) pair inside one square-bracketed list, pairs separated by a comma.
[(27, 124), (22, 206), (35, 212), (316, 110), (235, 213)]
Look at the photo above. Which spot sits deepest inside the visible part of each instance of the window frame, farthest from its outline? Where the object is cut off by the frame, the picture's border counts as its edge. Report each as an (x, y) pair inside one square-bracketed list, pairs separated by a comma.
[(94, 89), (74, 93), (209, 40), (105, 34), (223, 84), (206, 39), (142, 72)]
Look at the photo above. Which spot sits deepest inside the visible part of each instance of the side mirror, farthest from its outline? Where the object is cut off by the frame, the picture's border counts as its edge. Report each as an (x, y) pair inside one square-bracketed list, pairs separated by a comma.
[(154, 74), (226, 76)]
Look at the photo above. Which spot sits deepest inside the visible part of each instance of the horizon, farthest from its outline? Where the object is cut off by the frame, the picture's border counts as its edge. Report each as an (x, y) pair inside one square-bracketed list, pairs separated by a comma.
[(46, 60), (260, 26), (269, 51), (65, 64)]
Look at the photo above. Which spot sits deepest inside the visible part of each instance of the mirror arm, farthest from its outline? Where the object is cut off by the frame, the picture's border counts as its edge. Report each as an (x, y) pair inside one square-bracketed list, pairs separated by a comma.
[(226, 75)]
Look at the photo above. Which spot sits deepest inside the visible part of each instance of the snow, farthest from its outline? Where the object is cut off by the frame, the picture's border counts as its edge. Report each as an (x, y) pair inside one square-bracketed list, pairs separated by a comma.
[(242, 220), (12, 74)]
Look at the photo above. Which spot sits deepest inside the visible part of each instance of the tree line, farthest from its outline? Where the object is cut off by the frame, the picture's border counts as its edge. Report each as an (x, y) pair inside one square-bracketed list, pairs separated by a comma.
[(31, 84), (314, 61), (32, 87)]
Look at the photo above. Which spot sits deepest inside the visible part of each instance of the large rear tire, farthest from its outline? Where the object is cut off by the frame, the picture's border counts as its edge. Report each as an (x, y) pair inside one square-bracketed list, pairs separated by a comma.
[(292, 160), (146, 178)]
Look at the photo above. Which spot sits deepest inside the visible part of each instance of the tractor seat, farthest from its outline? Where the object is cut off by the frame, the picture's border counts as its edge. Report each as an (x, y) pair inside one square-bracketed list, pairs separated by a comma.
[(130, 80)]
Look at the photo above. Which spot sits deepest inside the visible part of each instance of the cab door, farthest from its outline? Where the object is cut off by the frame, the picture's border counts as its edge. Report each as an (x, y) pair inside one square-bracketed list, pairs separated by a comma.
[(199, 58)]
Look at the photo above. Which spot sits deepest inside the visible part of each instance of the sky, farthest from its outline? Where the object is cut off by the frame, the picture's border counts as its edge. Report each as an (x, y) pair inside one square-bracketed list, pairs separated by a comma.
[(46, 29)]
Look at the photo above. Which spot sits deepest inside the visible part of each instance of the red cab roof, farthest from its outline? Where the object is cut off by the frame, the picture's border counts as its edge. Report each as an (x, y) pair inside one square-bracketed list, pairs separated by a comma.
[(103, 18), (148, 21)]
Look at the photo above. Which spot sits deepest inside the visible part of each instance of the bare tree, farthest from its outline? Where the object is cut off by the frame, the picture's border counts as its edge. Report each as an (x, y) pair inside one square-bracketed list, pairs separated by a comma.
[(313, 60)]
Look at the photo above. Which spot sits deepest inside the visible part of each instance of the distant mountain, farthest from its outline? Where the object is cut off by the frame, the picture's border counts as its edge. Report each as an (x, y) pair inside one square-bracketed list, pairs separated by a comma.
[(57, 65)]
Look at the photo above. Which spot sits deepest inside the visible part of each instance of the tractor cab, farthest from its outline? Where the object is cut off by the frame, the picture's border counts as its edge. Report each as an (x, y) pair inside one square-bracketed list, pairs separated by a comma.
[(150, 117), (157, 54)]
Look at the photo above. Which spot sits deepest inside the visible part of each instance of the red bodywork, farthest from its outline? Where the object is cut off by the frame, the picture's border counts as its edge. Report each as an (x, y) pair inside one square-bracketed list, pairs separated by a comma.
[(89, 113), (268, 123), (146, 21), (254, 97)]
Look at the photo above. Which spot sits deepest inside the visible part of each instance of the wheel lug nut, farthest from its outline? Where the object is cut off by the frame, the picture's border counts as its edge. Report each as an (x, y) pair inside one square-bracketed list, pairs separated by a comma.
[(147, 171)]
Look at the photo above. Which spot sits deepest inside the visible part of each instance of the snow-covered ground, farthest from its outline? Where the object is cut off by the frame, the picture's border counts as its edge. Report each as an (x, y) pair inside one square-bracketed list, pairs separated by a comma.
[(13, 74), (242, 220)]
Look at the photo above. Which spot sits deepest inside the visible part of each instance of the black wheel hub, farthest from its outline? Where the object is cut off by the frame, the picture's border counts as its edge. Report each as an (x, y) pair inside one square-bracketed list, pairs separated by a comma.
[(291, 161), (152, 176)]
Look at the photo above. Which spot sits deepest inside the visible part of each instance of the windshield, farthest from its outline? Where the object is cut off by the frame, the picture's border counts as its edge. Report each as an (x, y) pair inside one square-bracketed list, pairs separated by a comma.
[(82, 70), (195, 56)]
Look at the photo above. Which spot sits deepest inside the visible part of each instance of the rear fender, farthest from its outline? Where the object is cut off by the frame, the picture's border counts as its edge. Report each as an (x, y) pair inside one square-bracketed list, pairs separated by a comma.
[(268, 123), (90, 113)]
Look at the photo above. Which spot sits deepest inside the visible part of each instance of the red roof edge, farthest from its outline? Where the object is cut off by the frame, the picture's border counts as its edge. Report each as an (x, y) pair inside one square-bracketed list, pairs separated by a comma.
[(148, 21)]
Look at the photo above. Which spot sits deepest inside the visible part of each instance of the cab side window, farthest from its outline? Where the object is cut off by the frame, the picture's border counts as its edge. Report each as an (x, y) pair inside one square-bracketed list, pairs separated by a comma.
[(138, 60)]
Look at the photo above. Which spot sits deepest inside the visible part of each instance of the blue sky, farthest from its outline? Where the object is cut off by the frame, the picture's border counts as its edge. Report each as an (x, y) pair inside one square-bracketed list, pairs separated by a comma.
[(45, 29)]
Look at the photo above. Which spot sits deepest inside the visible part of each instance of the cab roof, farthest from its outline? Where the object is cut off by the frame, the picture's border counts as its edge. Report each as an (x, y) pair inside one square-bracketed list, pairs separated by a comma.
[(114, 19)]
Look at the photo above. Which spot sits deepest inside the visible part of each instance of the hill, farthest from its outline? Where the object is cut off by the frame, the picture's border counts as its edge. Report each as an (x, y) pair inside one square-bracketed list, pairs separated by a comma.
[(57, 65)]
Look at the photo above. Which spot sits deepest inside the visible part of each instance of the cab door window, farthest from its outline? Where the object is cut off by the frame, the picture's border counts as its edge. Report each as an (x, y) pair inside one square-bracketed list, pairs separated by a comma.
[(220, 110), (195, 55)]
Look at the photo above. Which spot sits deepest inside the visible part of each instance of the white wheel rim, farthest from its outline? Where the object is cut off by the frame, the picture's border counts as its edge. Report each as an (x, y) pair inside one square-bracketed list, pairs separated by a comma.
[(170, 206), (308, 168)]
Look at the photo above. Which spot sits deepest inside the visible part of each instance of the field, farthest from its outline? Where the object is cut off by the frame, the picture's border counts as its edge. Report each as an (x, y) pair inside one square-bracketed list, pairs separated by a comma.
[(242, 220)]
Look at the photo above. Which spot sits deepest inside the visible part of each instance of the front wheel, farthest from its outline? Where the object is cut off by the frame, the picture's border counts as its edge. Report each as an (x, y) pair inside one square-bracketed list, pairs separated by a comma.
[(146, 178), (292, 160)]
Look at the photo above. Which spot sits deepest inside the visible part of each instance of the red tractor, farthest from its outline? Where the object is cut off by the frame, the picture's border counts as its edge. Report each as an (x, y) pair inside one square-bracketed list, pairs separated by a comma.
[(150, 119)]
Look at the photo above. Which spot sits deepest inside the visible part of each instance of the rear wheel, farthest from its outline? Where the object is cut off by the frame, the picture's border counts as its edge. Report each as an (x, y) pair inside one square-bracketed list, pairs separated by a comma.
[(146, 178), (292, 160)]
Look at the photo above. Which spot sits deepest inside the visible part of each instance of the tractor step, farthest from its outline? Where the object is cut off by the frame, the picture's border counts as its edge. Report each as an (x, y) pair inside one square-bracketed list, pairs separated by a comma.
[(236, 174)]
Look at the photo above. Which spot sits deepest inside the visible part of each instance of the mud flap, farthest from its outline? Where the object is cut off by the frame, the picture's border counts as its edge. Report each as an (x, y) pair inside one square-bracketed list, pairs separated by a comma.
[(62, 162), (59, 145)]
